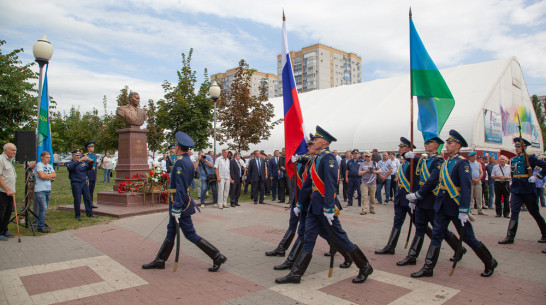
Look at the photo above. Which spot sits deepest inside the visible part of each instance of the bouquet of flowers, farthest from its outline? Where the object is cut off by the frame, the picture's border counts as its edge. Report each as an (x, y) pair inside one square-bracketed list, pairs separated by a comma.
[(157, 177), (142, 183), (136, 185)]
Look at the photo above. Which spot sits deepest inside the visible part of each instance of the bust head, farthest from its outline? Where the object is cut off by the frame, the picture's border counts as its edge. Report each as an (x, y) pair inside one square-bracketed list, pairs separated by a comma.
[(134, 99)]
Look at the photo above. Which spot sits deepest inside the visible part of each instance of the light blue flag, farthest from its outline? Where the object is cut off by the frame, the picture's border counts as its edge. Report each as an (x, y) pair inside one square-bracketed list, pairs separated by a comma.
[(44, 124)]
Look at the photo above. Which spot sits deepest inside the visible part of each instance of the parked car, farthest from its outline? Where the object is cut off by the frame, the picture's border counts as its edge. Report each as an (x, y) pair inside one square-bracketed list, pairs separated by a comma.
[(64, 161)]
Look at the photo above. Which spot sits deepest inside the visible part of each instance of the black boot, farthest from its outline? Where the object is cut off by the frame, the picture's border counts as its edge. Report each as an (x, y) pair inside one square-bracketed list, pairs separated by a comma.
[(511, 234), (542, 227), (348, 260), (162, 256), (283, 245), (413, 252), (391, 244), (365, 269), (298, 269), (289, 262), (485, 256), (430, 261), (453, 242), (217, 258)]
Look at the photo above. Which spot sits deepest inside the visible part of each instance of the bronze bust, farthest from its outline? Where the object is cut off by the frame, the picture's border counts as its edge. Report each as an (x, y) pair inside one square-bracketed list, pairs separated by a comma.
[(133, 115)]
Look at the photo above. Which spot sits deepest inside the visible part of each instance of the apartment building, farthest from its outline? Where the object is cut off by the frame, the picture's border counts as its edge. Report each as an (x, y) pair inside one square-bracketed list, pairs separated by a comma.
[(226, 79)]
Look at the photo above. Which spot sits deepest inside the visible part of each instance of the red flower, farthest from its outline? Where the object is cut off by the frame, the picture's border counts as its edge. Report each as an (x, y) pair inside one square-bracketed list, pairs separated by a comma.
[(126, 177)]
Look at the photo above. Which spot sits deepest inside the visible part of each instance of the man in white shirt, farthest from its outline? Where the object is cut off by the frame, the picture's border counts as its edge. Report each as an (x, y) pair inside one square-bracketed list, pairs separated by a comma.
[(221, 167), (501, 173), (42, 188)]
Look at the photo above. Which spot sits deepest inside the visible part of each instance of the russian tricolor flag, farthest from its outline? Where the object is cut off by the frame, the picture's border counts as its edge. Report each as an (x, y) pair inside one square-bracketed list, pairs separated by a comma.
[(295, 136)]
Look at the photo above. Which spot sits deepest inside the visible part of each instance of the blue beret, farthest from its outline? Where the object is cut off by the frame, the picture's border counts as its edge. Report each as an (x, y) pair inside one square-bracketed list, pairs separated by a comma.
[(355, 151), (435, 139), (183, 139), (76, 151), (172, 146), (90, 143), (472, 153), (517, 140), (405, 142), (321, 133), (454, 136)]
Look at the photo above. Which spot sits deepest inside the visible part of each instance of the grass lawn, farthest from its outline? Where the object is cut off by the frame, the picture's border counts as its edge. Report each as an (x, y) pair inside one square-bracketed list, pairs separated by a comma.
[(61, 194)]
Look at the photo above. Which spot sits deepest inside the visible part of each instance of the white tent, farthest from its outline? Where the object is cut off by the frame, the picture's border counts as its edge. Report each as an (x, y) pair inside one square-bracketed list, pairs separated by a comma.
[(376, 114)]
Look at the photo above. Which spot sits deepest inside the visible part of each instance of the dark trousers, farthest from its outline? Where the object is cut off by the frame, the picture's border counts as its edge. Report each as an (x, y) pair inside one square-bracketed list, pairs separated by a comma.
[(345, 190), (277, 188), (258, 186), (186, 225), (354, 185), (247, 184), (318, 225), (284, 183), (235, 190), (531, 202), (400, 213), (485, 192), (91, 189), (502, 192), (267, 184), (441, 222), (79, 189), (393, 186), (422, 219), (6, 208)]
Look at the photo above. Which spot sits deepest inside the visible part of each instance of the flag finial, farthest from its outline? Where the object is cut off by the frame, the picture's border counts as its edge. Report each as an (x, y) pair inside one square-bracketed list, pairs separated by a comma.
[(283, 17), (410, 12)]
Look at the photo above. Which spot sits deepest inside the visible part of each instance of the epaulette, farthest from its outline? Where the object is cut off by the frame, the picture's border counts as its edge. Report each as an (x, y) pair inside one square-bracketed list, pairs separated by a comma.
[(326, 151), (179, 157), (461, 157)]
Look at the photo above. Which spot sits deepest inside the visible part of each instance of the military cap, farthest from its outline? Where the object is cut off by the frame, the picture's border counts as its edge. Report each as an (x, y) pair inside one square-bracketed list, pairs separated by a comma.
[(405, 142), (77, 151), (435, 139), (90, 143), (517, 140), (172, 146), (183, 139), (321, 133), (355, 151), (311, 139), (472, 153), (454, 136)]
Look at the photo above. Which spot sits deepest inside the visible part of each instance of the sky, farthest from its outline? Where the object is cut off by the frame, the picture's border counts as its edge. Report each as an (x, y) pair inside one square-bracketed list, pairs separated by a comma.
[(104, 45)]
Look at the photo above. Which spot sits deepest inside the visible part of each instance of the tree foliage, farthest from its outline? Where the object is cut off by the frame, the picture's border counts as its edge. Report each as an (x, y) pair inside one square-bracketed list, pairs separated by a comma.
[(155, 134), (244, 119), (18, 97), (539, 110), (184, 109)]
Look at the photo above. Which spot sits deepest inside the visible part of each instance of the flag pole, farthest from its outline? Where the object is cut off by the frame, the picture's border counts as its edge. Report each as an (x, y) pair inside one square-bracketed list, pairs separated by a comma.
[(412, 219)]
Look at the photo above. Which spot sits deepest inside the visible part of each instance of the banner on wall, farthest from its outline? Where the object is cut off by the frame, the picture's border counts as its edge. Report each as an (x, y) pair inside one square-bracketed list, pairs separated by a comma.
[(492, 124)]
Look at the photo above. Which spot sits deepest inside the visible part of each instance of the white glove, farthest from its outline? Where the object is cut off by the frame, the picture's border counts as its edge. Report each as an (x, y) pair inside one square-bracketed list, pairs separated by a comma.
[(463, 217), (532, 179), (293, 159), (409, 155), (412, 206), (330, 217), (411, 197), (297, 211)]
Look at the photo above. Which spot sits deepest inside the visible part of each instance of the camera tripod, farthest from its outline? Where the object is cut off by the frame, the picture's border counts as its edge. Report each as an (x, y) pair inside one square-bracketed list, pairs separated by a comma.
[(29, 215)]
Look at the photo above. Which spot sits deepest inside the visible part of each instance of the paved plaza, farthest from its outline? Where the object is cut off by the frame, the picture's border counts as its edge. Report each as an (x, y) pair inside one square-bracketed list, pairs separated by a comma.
[(102, 264)]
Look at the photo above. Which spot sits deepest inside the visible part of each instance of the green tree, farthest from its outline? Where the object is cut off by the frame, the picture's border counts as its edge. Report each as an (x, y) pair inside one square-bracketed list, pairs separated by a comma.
[(155, 134), (244, 119), (111, 122), (184, 109), (539, 110), (18, 98)]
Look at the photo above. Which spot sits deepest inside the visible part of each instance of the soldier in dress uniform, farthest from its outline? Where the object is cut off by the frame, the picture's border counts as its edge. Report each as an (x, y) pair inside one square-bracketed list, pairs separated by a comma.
[(92, 173), (321, 214), (78, 169), (303, 169), (181, 207), (453, 205), (523, 190), (401, 204), (421, 202), (171, 158), (354, 179)]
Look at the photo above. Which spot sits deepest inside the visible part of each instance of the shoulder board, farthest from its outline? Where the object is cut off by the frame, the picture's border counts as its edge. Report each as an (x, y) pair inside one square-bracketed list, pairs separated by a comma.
[(530, 155), (326, 151), (461, 157), (179, 157)]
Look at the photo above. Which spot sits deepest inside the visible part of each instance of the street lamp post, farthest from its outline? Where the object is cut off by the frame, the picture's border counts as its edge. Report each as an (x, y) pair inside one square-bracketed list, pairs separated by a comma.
[(214, 92)]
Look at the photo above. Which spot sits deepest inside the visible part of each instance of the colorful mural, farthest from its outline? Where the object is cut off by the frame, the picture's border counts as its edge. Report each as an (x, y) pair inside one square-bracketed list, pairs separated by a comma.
[(509, 116)]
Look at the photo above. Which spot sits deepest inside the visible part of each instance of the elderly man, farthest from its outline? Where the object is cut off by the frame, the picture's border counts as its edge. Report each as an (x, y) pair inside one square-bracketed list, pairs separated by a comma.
[(221, 168), (384, 178), (453, 205), (523, 190), (7, 188), (42, 188), (501, 173), (477, 174)]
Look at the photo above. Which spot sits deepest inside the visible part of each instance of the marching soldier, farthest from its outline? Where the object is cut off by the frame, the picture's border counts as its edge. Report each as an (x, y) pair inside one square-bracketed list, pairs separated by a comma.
[(171, 159), (523, 190), (321, 213), (452, 205), (92, 173), (401, 204), (421, 202), (78, 170), (181, 207)]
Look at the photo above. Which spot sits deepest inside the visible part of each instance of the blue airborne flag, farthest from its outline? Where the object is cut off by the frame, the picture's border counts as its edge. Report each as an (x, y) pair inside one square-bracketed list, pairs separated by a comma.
[(44, 126)]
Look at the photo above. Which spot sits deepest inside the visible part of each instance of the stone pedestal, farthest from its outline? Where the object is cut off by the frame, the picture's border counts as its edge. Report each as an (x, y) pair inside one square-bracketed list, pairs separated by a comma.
[(132, 159)]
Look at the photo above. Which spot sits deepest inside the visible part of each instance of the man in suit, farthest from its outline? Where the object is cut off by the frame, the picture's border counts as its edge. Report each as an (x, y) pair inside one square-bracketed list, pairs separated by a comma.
[(342, 174), (258, 175), (275, 175), (237, 172), (284, 180)]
